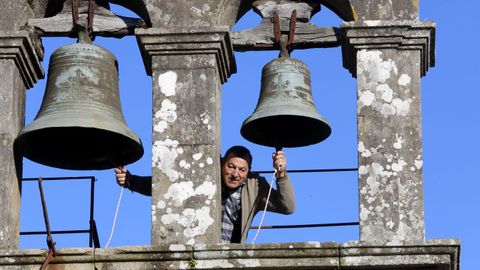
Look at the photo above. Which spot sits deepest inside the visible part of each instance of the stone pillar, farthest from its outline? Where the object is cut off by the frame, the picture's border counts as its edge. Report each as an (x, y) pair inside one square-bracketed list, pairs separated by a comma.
[(187, 67), (388, 59), (20, 66)]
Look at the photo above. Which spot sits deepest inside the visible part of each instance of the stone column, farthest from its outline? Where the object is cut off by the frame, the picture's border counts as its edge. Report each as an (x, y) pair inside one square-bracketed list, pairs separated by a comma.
[(20, 66), (187, 67), (388, 59)]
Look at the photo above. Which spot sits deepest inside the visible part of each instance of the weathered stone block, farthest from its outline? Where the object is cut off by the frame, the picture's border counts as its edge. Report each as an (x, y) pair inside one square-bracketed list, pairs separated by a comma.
[(385, 10)]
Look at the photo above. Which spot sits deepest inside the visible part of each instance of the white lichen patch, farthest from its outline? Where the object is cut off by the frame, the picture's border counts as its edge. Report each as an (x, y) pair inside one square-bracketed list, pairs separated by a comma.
[(376, 69), (197, 156), (385, 92), (390, 224), (207, 188), (178, 192), (177, 247), (374, 90), (161, 204), (404, 80), (167, 82), (205, 9), (184, 164), (160, 126), (362, 170), (363, 152), (164, 154), (398, 142), (205, 118), (195, 221), (402, 107), (364, 213), (166, 114), (418, 164), (209, 161), (365, 98), (372, 22), (398, 166)]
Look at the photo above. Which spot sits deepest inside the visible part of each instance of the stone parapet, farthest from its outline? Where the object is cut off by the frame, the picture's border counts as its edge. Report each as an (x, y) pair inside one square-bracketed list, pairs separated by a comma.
[(436, 254), (400, 35)]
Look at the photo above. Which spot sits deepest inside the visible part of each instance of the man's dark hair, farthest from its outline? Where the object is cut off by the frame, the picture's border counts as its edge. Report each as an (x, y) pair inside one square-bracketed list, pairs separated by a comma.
[(241, 152)]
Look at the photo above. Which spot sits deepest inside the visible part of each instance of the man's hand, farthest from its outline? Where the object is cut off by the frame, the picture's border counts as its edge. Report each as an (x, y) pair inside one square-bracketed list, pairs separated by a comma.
[(123, 176), (280, 163)]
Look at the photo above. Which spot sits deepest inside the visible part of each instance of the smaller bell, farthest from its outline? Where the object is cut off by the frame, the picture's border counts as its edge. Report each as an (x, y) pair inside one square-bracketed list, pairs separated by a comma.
[(285, 115)]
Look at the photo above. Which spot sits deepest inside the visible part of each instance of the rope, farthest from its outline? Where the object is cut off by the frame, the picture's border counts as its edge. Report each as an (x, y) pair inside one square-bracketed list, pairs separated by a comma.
[(115, 218), (265, 209)]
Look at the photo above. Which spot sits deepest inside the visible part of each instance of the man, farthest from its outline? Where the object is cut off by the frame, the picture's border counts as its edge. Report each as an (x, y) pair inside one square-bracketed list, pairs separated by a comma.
[(244, 194)]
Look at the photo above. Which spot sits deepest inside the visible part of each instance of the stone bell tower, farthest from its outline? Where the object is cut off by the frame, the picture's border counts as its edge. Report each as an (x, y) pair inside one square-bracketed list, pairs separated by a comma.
[(188, 50)]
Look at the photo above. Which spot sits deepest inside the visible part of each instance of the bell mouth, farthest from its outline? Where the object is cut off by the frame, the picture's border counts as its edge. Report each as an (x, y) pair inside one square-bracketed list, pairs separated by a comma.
[(79, 148), (285, 130)]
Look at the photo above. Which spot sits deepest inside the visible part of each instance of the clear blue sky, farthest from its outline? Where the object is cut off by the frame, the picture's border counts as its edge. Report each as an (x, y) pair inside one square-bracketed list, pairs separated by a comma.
[(451, 147)]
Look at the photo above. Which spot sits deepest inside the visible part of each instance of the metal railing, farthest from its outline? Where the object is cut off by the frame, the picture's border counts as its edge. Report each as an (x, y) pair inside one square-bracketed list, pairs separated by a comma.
[(296, 226), (93, 239)]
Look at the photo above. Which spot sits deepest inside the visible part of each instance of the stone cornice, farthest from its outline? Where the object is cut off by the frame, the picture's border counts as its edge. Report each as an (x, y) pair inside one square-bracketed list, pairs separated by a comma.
[(19, 47), (433, 254), (188, 41), (400, 35)]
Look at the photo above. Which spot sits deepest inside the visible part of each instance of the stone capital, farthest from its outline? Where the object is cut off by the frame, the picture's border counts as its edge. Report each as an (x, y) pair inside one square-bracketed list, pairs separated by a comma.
[(188, 41), (19, 47), (378, 35)]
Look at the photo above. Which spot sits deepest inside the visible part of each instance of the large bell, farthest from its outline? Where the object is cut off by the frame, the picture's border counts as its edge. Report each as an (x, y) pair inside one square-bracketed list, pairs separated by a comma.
[(285, 115), (80, 124)]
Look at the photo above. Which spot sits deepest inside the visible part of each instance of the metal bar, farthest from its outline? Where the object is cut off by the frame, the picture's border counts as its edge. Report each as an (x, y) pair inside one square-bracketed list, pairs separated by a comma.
[(292, 28), (306, 225), (50, 243), (50, 255), (74, 12), (55, 232), (58, 178), (44, 206), (92, 202), (91, 13), (96, 240), (313, 170), (276, 28)]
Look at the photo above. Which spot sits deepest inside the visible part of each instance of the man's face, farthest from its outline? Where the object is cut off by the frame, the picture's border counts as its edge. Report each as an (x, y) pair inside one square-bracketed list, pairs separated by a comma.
[(234, 171)]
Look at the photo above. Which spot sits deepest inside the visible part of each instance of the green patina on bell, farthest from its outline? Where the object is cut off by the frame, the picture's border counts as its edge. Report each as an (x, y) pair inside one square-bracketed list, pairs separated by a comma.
[(80, 124)]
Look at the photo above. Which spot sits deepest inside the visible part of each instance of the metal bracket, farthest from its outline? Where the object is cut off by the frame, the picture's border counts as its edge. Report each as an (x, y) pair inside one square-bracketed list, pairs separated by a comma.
[(285, 46)]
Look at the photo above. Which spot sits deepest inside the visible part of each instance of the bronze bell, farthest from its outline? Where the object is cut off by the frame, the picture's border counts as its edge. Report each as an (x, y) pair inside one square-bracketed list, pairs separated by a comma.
[(80, 124), (285, 115)]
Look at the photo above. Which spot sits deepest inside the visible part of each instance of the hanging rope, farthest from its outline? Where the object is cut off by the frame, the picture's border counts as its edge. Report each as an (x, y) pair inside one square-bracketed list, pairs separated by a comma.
[(115, 217), (266, 205)]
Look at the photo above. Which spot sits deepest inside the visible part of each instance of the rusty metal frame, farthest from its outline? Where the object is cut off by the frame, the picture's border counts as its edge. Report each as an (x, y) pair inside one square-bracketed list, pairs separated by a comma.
[(301, 226), (93, 240)]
